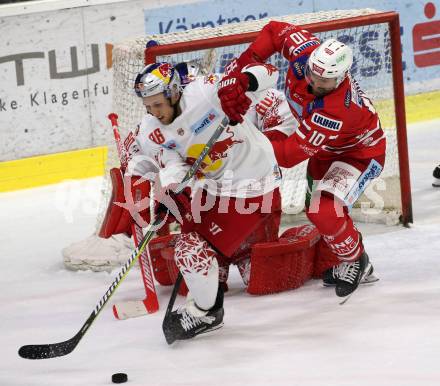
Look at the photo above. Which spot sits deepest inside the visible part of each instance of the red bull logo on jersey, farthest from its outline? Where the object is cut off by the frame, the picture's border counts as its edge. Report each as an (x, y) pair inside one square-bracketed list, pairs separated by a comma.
[(204, 122), (326, 123), (220, 148), (219, 151)]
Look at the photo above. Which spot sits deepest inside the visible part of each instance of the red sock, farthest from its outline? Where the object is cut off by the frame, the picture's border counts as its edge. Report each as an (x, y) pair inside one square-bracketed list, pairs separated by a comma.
[(345, 243), (336, 228)]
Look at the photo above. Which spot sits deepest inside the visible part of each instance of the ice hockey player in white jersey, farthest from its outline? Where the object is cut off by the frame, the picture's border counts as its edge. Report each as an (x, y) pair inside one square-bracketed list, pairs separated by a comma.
[(270, 113), (235, 201)]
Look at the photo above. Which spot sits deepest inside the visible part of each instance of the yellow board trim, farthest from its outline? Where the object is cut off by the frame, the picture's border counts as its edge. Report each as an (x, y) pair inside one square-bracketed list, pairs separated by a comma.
[(50, 169), (420, 107), (53, 168)]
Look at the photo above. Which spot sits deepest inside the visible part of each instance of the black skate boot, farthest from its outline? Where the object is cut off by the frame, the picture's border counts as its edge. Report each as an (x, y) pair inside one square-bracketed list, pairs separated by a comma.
[(329, 277), (436, 175), (183, 324), (349, 275)]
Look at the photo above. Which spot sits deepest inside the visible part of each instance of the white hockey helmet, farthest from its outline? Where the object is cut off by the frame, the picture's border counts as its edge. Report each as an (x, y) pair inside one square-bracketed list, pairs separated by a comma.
[(157, 78), (332, 59)]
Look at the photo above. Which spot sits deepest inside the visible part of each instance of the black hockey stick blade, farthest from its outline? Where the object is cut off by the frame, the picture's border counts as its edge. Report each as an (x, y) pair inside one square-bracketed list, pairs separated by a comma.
[(46, 351), (170, 335)]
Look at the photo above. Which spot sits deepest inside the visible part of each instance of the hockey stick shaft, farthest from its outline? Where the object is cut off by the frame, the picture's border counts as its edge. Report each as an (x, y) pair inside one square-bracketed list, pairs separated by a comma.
[(151, 302), (208, 146), (46, 351)]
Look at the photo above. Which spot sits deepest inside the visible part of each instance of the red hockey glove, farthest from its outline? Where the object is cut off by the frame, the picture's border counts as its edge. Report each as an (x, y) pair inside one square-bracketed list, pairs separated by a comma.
[(178, 206), (183, 200), (122, 211), (233, 99)]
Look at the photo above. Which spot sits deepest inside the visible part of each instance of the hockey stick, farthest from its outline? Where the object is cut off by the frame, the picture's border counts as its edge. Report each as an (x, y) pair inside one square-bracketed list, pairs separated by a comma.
[(46, 351), (150, 304)]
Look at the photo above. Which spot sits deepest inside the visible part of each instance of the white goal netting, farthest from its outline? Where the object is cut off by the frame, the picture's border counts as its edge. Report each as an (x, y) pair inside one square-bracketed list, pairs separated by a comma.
[(371, 68)]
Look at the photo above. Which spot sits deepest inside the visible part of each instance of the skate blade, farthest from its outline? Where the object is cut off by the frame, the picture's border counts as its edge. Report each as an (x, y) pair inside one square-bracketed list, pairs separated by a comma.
[(366, 280), (218, 326), (369, 279), (171, 338)]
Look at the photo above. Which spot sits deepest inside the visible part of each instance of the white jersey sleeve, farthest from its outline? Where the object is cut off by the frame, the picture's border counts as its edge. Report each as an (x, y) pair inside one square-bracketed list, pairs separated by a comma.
[(270, 111), (173, 167)]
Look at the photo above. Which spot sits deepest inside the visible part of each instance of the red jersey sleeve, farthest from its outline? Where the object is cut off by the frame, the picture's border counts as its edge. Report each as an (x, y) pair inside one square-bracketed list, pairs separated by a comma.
[(319, 129), (309, 139)]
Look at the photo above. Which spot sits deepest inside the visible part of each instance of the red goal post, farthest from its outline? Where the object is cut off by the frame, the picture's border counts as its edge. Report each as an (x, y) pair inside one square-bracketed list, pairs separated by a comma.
[(375, 38)]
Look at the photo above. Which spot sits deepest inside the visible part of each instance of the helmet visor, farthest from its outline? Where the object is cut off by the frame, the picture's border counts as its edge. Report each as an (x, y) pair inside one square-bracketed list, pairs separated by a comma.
[(148, 85)]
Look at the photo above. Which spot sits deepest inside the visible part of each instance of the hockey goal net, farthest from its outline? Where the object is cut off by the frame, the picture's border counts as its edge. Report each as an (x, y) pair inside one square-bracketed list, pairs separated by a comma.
[(375, 39)]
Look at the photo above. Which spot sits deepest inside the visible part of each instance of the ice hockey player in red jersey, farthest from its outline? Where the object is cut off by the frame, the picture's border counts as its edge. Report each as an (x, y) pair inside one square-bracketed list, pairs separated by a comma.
[(339, 133), (234, 203)]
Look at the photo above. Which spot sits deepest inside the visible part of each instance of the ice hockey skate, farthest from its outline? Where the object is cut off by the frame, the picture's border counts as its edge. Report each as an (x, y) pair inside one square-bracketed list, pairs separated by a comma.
[(189, 320), (329, 277), (350, 274)]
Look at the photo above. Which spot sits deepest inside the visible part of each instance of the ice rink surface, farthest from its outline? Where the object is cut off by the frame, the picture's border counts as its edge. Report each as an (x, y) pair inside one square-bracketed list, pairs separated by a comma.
[(386, 334)]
